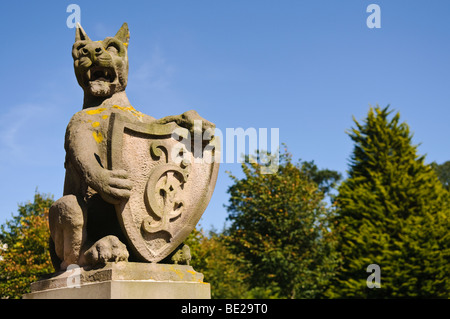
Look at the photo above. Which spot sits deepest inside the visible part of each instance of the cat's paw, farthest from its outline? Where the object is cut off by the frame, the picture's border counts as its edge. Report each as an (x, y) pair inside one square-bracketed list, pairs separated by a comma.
[(109, 248), (181, 255)]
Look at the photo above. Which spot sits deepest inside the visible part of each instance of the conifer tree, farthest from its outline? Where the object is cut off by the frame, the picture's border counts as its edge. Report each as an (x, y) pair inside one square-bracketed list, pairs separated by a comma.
[(393, 212)]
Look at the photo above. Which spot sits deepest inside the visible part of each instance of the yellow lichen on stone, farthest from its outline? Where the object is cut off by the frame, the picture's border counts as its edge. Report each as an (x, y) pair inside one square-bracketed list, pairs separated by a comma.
[(95, 124), (123, 108), (105, 117), (130, 109), (97, 111), (178, 272), (98, 137)]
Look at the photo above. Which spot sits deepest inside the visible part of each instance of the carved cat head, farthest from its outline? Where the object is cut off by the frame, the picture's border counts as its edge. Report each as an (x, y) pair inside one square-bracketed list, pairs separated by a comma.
[(101, 67)]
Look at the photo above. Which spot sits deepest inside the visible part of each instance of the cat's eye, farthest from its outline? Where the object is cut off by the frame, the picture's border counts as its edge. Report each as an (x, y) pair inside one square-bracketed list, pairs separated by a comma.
[(112, 49), (81, 49)]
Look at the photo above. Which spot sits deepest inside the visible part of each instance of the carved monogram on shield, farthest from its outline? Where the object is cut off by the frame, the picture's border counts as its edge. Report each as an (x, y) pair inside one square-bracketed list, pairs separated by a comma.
[(170, 189), (163, 194)]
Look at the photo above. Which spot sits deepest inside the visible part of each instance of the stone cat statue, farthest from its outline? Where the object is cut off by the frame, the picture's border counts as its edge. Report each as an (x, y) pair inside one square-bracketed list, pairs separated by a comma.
[(83, 223)]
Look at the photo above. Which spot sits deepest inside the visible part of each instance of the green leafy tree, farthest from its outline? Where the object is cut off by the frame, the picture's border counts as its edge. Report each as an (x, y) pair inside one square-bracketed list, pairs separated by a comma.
[(220, 267), (25, 254), (443, 172), (393, 212), (280, 232), (325, 179)]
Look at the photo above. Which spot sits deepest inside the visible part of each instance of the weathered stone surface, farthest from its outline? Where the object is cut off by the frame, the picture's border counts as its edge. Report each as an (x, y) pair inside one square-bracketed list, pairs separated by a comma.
[(134, 187), (123, 280), (128, 289), (119, 271)]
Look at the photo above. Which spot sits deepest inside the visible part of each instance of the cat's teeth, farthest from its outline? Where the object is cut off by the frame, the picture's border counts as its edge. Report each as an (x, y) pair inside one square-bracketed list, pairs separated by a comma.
[(106, 74), (88, 73)]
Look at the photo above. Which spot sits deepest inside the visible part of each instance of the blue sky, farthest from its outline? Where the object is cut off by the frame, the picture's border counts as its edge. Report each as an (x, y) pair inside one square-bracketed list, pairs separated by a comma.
[(305, 67)]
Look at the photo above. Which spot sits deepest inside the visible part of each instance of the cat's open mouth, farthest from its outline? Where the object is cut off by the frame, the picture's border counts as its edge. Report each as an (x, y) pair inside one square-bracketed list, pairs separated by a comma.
[(101, 74)]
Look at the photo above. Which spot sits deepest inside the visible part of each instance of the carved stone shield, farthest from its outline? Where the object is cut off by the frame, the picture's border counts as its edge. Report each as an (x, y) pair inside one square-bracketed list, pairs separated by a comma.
[(171, 186)]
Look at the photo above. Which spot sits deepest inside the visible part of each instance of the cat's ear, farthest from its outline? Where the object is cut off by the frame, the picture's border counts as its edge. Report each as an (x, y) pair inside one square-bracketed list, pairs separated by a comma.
[(80, 35), (123, 35)]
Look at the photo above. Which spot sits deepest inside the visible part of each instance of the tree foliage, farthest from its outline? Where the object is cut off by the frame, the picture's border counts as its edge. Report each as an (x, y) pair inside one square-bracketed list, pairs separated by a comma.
[(443, 172), (325, 179), (285, 242), (394, 212), (280, 231), (221, 268), (26, 256)]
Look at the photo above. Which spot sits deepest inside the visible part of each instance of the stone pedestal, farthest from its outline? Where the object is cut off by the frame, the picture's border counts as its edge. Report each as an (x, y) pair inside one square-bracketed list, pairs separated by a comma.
[(123, 280)]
